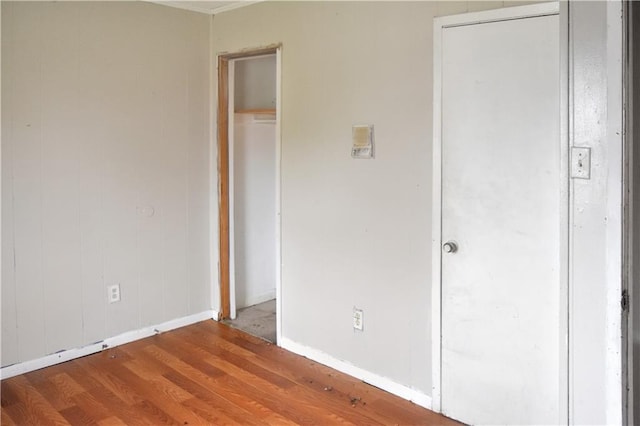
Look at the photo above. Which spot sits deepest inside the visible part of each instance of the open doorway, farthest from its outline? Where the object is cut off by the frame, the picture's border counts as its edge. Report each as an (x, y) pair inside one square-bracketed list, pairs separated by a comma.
[(248, 153)]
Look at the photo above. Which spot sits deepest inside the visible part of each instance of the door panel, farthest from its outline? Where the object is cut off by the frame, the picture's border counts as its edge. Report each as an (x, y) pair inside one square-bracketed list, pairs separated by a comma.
[(501, 205)]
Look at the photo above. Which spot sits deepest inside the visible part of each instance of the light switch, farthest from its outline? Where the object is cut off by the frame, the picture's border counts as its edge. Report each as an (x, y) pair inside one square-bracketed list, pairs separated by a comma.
[(580, 162)]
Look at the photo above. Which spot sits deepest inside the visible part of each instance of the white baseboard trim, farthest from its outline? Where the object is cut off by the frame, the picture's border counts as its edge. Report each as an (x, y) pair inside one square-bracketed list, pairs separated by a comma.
[(260, 298), (376, 380), (110, 342)]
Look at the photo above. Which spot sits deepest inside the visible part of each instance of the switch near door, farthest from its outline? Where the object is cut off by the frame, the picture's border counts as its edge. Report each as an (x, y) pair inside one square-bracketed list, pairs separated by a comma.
[(580, 162)]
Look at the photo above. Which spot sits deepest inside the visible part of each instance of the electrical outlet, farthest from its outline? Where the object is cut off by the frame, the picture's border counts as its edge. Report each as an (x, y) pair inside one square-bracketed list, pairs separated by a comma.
[(113, 293), (358, 319)]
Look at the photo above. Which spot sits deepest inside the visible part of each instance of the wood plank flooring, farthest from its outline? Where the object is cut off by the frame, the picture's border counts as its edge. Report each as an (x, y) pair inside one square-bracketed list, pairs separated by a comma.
[(206, 373)]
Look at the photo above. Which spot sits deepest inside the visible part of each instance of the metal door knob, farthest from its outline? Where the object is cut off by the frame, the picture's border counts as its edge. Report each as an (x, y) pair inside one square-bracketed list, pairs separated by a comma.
[(449, 247)]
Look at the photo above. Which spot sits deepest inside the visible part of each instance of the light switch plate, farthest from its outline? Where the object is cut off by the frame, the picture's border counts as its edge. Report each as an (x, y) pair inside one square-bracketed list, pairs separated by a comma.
[(580, 162)]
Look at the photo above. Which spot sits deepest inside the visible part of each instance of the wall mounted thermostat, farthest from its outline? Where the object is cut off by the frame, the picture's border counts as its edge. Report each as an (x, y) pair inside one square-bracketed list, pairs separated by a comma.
[(362, 136)]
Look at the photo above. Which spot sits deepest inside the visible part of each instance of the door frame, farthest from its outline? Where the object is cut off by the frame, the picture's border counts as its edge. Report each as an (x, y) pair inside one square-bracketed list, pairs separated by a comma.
[(630, 226), (441, 23), (225, 245)]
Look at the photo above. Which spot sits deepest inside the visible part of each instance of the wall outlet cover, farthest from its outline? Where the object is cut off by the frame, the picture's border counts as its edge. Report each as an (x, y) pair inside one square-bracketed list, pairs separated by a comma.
[(358, 319), (113, 293)]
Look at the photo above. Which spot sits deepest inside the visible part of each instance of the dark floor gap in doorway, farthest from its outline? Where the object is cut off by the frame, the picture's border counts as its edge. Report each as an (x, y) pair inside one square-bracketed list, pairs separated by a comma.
[(258, 320)]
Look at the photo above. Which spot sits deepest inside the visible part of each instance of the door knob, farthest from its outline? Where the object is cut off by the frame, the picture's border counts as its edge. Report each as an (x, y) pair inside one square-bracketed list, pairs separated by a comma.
[(449, 247)]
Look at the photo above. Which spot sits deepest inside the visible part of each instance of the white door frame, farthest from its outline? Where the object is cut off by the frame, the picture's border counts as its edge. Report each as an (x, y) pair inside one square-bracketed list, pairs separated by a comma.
[(231, 133), (631, 226), (440, 24)]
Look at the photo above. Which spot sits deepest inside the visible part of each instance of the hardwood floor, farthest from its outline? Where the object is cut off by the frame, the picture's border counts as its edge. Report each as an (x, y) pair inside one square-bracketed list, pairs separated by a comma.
[(206, 373)]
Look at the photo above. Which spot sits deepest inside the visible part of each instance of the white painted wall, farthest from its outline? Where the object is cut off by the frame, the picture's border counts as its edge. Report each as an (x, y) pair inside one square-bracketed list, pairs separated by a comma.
[(254, 204), (254, 83), (354, 233), (105, 111)]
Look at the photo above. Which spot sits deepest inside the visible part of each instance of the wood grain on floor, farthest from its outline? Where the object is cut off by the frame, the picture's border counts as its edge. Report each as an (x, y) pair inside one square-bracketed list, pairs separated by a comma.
[(206, 373)]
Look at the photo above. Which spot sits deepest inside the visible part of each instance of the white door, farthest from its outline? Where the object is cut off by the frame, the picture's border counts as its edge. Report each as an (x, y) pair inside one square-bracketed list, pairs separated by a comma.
[(501, 223)]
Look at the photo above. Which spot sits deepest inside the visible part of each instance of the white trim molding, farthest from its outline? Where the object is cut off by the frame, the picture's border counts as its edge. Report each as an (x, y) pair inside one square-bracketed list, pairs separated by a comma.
[(121, 339), (597, 121), (384, 383), (278, 191), (261, 298), (614, 185)]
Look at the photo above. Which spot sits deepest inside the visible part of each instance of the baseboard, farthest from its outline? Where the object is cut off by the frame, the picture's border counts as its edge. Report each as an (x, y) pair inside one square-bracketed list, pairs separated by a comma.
[(376, 380), (110, 342), (261, 298)]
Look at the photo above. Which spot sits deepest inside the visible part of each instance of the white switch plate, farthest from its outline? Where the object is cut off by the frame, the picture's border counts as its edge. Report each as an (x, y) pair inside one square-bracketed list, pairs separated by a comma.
[(358, 319), (580, 162)]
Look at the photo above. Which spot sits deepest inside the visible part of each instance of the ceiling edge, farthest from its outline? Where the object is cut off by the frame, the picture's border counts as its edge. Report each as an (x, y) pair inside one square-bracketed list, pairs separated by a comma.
[(178, 5), (235, 6)]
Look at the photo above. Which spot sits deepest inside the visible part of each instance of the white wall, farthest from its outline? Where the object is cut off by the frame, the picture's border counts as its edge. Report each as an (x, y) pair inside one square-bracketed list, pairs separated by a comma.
[(254, 83), (105, 111), (354, 233), (254, 204)]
